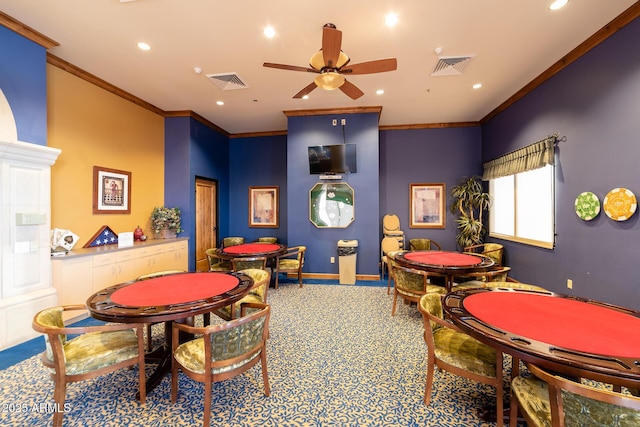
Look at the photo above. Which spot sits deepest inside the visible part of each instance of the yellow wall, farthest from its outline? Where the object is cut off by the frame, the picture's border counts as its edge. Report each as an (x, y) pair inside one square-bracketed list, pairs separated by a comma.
[(95, 127)]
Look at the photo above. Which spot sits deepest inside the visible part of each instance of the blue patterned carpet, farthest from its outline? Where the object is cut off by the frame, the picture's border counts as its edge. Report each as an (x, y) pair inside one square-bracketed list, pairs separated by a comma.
[(336, 358)]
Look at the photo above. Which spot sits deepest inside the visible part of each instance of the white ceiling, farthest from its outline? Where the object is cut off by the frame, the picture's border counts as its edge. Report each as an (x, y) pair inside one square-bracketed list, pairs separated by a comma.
[(513, 42)]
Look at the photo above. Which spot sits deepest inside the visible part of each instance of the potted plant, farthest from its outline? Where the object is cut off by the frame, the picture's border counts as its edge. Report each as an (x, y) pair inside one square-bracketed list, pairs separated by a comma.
[(165, 222), (469, 201)]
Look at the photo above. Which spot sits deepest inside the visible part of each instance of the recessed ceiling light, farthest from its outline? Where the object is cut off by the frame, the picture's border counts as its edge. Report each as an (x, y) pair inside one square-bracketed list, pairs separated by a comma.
[(144, 46), (391, 19), (269, 32), (379, 92), (220, 102), (558, 4), (477, 86), (305, 97)]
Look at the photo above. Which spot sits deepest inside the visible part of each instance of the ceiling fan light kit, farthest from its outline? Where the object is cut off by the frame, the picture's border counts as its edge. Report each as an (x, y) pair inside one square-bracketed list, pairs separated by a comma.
[(329, 80), (331, 63)]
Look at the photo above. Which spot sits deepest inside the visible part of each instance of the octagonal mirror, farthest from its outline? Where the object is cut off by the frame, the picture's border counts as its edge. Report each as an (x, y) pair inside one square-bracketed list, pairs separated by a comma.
[(331, 205)]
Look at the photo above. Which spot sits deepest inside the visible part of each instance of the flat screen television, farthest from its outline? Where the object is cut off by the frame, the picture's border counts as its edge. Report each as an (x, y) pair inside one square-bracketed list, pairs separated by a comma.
[(332, 159)]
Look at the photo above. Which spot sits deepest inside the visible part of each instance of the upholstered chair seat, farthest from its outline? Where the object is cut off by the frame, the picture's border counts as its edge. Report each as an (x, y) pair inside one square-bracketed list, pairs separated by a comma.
[(216, 263), (246, 263), (232, 241), (583, 405), (221, 351), (508, 285), (491, 250), (93, 351), (420, 244), (390, 260), (257, 293), (267, 239), (450, 349), (461, 350), (291, 262), (410, 285)]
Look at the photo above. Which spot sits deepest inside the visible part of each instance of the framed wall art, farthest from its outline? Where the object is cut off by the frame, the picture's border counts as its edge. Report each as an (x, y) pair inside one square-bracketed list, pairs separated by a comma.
[(427, 205), (111, 191), (263, 207)]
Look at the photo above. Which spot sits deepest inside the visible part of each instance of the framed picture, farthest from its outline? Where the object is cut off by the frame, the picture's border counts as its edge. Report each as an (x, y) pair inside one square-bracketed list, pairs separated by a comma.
[(427, 205), (263, 207), (111, 191)]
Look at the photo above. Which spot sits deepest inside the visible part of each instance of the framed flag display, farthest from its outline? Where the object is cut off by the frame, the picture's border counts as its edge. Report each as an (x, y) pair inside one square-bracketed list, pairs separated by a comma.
[(104, 236)]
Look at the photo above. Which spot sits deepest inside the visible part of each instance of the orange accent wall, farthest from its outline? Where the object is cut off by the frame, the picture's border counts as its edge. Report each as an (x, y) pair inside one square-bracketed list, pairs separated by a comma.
[(95, 127)]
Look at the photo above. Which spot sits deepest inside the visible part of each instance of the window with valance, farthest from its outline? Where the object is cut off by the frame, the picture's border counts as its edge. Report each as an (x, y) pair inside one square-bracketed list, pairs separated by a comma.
[(522, 188)]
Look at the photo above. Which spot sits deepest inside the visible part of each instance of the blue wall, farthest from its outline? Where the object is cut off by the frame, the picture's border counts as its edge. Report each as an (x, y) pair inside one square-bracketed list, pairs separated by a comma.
[(195, 150), (593, 103), (425, 156), (362, 130), (257, 162), (23, 80)]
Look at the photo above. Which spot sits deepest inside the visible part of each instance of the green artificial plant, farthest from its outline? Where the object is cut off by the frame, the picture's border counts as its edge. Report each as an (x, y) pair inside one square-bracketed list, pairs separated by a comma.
[(165, 218), (469, 201)]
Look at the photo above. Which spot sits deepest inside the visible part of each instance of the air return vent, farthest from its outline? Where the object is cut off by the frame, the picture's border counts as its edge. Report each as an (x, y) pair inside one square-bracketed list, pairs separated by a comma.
[(451, 65), (228, 81)]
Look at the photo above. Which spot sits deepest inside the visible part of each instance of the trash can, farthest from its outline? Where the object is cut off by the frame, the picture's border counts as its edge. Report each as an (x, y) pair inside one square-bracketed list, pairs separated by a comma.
[(347, 253)]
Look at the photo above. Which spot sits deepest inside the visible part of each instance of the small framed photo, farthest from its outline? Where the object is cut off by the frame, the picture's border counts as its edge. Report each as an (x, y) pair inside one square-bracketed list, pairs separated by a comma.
[(263, 207), (427, 205), (111, 191)]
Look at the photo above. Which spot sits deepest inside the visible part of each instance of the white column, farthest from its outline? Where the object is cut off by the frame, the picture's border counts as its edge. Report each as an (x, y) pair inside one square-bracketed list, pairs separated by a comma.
[(25, 224)]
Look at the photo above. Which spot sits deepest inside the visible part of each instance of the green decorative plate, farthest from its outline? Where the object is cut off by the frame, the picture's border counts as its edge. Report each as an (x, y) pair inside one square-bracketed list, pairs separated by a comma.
[(620, 204), (587, 206)]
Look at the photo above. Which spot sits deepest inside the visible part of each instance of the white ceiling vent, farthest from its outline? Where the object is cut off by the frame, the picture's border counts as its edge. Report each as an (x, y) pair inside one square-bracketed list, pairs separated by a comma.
[(451, 65), (228, 81)]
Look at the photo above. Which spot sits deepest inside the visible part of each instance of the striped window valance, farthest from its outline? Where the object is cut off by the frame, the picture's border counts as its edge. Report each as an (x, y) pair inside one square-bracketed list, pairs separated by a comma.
[(534, 156)]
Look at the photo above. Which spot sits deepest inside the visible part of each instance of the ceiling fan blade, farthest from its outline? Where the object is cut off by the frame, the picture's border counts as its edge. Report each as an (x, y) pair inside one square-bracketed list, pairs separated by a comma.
[(331, 43), (351, 90), (378, 66), (289, 67), (306, 91)]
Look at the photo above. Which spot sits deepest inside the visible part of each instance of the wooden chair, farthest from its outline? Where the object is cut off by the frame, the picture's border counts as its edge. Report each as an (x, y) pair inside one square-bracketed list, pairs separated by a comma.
[(244, 263), (221, 352), (480, 279), (423, 245), (492, 250), (387, 245), (95, 351), (450, 349), (547, 399), (411, 285), (390, 260), (232, 241), (267, 239), (291, 262), (257, 294), (215, 262), (391, 228), (151, 276)]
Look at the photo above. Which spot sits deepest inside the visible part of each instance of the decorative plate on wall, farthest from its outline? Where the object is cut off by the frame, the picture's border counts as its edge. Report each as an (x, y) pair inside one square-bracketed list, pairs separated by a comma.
[(620, 204), (587, 206)]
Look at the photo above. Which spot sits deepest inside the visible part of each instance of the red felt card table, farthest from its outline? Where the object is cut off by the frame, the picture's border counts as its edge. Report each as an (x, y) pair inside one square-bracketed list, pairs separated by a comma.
[(445, 263), (245, 250), (574, 336), (174, 297)]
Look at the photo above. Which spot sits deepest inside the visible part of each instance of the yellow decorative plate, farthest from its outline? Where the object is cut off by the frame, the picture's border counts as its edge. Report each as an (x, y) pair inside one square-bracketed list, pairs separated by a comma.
[(620, 204)]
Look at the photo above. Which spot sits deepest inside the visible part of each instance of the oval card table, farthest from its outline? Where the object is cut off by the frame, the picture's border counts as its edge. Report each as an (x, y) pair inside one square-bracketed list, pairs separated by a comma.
[(174, 297), (574, 336), (445, 263)]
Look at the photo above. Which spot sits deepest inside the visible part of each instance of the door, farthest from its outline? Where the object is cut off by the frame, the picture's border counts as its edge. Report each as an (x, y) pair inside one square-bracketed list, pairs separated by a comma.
[(206, 220)]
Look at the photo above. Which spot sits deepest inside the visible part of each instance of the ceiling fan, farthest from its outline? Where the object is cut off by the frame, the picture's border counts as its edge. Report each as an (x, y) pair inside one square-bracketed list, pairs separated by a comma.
[(331, 64)]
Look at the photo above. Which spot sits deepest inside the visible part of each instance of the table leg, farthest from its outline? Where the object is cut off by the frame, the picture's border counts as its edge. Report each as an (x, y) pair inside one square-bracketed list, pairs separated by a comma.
[(162, 356)]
